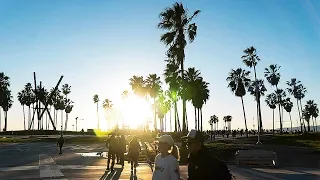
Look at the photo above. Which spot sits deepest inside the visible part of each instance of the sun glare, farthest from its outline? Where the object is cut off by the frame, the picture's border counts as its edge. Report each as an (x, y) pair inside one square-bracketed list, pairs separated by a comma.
[(136, 111)]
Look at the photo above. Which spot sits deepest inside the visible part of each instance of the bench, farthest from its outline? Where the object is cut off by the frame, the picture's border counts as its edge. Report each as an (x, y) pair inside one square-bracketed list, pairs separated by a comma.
[(256, 157)]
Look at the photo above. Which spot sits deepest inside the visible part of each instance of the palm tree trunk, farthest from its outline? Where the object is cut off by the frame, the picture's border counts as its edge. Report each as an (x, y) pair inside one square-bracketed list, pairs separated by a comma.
[(299, 115), (201, 118), (308, 125), (165, 123), (315, 119), (61, 120), (304, 125), (312, 119), (5, 120), (272, 121), (24, 118), (170, 120), (244, 115), (258, 103), (155, 115), (198, 115), (195, 117), (183, 98), (290, 120)]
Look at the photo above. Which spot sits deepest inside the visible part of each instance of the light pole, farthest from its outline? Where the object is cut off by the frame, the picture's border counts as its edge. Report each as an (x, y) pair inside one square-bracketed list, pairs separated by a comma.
[(77, 123)]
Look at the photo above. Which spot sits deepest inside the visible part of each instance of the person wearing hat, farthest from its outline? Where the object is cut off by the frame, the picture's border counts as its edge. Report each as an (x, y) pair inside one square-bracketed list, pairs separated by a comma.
[(201, 164), (166, 163)]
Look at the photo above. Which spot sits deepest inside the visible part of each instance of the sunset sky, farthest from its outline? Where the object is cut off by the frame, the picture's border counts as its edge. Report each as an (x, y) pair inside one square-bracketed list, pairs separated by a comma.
[(98, 45)]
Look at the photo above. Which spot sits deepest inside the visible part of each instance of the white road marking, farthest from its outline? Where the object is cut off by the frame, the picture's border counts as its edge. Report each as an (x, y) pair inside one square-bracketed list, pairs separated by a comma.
[(48, 168), (19, 168)]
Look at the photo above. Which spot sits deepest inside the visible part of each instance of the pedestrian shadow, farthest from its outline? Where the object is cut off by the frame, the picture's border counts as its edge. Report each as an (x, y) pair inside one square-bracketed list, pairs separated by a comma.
[(112, 175), (133, 176)]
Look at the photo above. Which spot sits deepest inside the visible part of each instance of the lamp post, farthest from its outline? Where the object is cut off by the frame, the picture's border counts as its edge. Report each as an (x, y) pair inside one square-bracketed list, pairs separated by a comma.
[(77, 123)]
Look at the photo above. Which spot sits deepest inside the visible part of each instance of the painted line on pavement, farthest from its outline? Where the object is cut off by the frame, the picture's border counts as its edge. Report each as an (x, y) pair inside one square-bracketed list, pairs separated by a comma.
[(20, 168), (253, 172), (48, 168)]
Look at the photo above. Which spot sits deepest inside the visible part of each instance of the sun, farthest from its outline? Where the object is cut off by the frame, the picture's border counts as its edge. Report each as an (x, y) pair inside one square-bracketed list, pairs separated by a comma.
[(136, 111)]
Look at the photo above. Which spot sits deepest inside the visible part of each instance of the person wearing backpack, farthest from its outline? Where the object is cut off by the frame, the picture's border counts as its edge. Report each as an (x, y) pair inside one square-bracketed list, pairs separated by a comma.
[(201, 164)]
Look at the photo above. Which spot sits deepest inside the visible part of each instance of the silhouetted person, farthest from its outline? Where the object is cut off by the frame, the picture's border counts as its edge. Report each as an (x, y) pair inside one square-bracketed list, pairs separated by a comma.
[(118, 150), (134, 150), (201, 164), (111, 144), (60, 143), (122, 149)]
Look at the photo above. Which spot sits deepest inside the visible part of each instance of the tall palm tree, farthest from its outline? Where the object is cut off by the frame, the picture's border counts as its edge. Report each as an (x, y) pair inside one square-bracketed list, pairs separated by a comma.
[(306, 114), (6, 103), (227, 119), (62, 107), (271, 100), (30, 100), (22, 100), (281, 94), (301, 92), (200, 97), (251, 59), (312, 108), (178, 24), (239, 81), (107, 106), (96, 101), (4, 84), (293, 90), (191, 76), (273, 77), (68, 109), (125, 94), (66, 89), (288, 107), (172, 78), (257, 89), (153, 87)]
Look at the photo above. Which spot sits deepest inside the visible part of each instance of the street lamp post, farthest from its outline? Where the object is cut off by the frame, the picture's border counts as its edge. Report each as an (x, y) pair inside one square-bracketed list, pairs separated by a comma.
[(77, 123)]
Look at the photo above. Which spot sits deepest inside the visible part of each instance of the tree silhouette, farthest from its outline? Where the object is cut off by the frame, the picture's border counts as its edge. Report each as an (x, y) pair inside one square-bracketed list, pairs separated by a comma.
[(178, 24), (23, 101), (251, 59), (107, 106), (96, 101), (271, 100), (293, 90), (153, 87), (239, 81), (288, 107), (273, 77)]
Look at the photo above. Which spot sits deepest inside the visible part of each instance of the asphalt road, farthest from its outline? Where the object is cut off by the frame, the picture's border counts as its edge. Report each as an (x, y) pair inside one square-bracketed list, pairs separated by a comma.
[(41, 161)]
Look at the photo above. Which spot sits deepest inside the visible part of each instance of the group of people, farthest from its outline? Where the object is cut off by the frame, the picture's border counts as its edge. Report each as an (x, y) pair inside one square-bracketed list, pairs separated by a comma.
[(201, 165), (117, 148)]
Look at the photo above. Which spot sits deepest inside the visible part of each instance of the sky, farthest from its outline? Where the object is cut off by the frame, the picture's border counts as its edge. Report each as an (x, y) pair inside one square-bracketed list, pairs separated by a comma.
[(98, 45)]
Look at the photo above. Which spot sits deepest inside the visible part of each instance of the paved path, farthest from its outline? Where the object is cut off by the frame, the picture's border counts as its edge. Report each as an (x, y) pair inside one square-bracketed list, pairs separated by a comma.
[(41, 161)]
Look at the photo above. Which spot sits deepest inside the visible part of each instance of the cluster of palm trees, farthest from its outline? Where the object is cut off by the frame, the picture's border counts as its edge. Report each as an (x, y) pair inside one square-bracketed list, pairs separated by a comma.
[(6, 98), (107, 106), (59, 101), (240, 82)]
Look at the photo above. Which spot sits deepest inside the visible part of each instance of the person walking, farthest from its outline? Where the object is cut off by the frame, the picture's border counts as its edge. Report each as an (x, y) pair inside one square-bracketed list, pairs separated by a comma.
[(201, 164), (122, 149), (111, 144), (60, 143), (166, 162), (134, 150)]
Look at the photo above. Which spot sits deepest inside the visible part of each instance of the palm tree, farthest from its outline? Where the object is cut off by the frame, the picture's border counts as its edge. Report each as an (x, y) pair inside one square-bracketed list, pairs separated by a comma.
[(191, 76), (153, 87), (107, 106), (312, 108), (281, 94), (227, 119), (96, 101), (54, 102), (213, 121), (273, 77), (306, 114), (125, 94), (22, 100), (301, 93), (201, 96), (257, 89), (251, 59), (137, 84), (68, 109), (293, 89), (288, 107), (6, 103), (239, 81), (271, 100), (4, 84), (66, 89), (172, 78), (178, 24), (30, 100), (62, 107)]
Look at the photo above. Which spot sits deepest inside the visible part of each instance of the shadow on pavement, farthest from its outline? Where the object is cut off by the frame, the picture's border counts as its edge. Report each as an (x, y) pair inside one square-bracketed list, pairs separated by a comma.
[(112, 175)]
